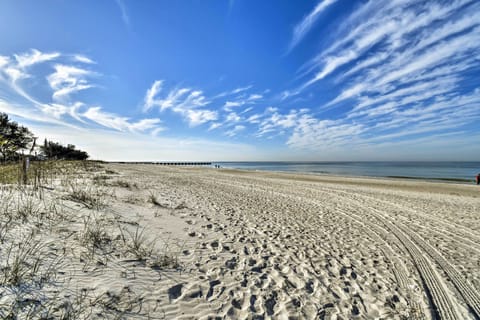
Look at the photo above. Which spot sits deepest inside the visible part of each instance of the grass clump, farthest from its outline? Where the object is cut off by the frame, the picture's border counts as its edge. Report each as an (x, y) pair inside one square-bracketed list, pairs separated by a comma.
[(94, 235), (92, 198), (101, 179), (152, 198), (88, 198), (24, 263), (138, 244), (124, 184)]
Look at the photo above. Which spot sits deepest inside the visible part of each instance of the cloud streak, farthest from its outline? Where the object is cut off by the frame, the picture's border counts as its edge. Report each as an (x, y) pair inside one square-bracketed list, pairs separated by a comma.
[(402, 71), (304, 26), (186, 102), (123, 10), (17, 99), (67, 80)]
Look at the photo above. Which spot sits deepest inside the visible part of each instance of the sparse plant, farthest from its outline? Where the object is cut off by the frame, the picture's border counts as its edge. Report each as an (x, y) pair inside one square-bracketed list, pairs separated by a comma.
[(181, 206), (90, 197), (5, 227), (101, 179), (153, 199), (137, 243), (94, 233), (124, 184), (131, 199), (27, 206), (24, 263)]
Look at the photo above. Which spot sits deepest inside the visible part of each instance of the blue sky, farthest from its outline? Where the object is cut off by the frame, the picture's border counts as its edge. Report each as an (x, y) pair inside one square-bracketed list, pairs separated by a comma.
[(246, 80)]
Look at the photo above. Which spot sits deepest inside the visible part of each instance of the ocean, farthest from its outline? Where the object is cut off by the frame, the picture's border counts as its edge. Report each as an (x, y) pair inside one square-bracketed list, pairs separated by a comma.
[(448, 171)]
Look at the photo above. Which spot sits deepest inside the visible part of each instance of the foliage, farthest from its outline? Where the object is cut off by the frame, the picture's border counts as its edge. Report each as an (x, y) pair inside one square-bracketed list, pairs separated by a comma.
[(54, 150), (13, 138)]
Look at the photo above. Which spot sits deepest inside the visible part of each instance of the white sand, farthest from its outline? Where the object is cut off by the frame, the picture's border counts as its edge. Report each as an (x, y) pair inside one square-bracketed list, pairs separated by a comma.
[(256, 245)]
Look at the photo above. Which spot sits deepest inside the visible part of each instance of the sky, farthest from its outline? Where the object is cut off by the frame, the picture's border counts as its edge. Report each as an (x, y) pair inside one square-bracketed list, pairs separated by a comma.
[(239, 80)]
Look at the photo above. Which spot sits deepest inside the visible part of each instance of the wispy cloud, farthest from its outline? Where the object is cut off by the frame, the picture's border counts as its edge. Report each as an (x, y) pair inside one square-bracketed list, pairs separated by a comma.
[(113, 121), (402, 69), (242, 100), (197, 117), (123, 10), (34, 56), (302, 28), (233, 132), (241, 89), (83, 59), (67, 80), (17, 99), (184, 101)]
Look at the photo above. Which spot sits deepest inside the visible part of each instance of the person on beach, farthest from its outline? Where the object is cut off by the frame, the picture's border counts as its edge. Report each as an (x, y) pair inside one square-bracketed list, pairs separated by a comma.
[(477, 178)]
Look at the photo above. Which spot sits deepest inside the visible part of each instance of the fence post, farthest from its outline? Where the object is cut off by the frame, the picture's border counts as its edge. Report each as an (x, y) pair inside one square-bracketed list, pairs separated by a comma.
[(26, 164)]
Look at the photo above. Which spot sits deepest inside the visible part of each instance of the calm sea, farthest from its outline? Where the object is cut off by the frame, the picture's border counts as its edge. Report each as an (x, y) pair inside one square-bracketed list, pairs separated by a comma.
[(454, 171)]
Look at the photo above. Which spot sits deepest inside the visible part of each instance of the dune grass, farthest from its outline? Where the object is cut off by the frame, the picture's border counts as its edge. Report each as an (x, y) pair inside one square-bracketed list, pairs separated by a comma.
[(41, 231)]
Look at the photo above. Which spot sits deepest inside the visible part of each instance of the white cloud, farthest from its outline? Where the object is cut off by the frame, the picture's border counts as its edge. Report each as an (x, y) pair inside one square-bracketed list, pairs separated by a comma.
[(247, 110), (34, 57), (241, 89), (232, 92), (406, 69), (308, 21), (242, 100), (232, 117), (83, 59), (254, 118), (149, 100), (322, 134), (4, 61), (390, 26), (277, 121), (254, 97), (123, 10), (214, 126), (120, 123), (58, 111), (67, 80), (15, 74), (232, 104), (197, 117), (30, 114), (233, 132), (185, 101)]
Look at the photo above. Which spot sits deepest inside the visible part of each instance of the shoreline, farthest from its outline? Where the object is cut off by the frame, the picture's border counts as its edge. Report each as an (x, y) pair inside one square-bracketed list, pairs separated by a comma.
[(231, 165), (393, 177)]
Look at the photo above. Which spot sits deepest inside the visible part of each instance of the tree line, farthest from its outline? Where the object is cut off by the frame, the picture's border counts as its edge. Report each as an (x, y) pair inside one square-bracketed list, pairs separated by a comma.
[(16, 139)]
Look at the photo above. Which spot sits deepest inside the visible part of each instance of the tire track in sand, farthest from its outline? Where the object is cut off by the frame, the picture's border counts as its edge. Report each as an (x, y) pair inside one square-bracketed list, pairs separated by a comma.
[(399, 269), (437, 289), (466, 290)]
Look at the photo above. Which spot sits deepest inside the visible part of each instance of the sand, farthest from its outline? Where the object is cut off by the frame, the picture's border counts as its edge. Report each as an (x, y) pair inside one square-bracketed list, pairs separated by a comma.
[(200, 243)]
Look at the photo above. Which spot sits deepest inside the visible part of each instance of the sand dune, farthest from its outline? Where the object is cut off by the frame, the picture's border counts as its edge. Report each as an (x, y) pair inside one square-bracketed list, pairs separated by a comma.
[(196, 243)]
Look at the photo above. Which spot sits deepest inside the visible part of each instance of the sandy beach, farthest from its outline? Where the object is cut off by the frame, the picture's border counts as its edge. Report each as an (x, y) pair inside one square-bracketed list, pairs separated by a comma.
[(198, 243)]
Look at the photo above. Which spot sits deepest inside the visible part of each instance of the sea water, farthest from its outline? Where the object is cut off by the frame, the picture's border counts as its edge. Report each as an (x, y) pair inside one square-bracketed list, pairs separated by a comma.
[(453, 171)]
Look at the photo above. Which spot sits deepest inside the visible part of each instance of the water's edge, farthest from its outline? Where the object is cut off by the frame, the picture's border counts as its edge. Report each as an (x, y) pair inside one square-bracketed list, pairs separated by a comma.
[(454, 172)]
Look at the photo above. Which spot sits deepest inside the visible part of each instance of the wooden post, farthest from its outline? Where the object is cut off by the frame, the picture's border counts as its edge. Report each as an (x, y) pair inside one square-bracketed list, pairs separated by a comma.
[(26, 163)]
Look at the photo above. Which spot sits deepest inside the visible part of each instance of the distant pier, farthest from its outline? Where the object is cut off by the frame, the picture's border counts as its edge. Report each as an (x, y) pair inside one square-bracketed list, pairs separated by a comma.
[(170, 163)]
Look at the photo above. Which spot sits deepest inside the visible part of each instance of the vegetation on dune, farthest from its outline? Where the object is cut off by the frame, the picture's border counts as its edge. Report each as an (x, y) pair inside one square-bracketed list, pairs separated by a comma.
[(13, 138), (55, 150), (16, 139)]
